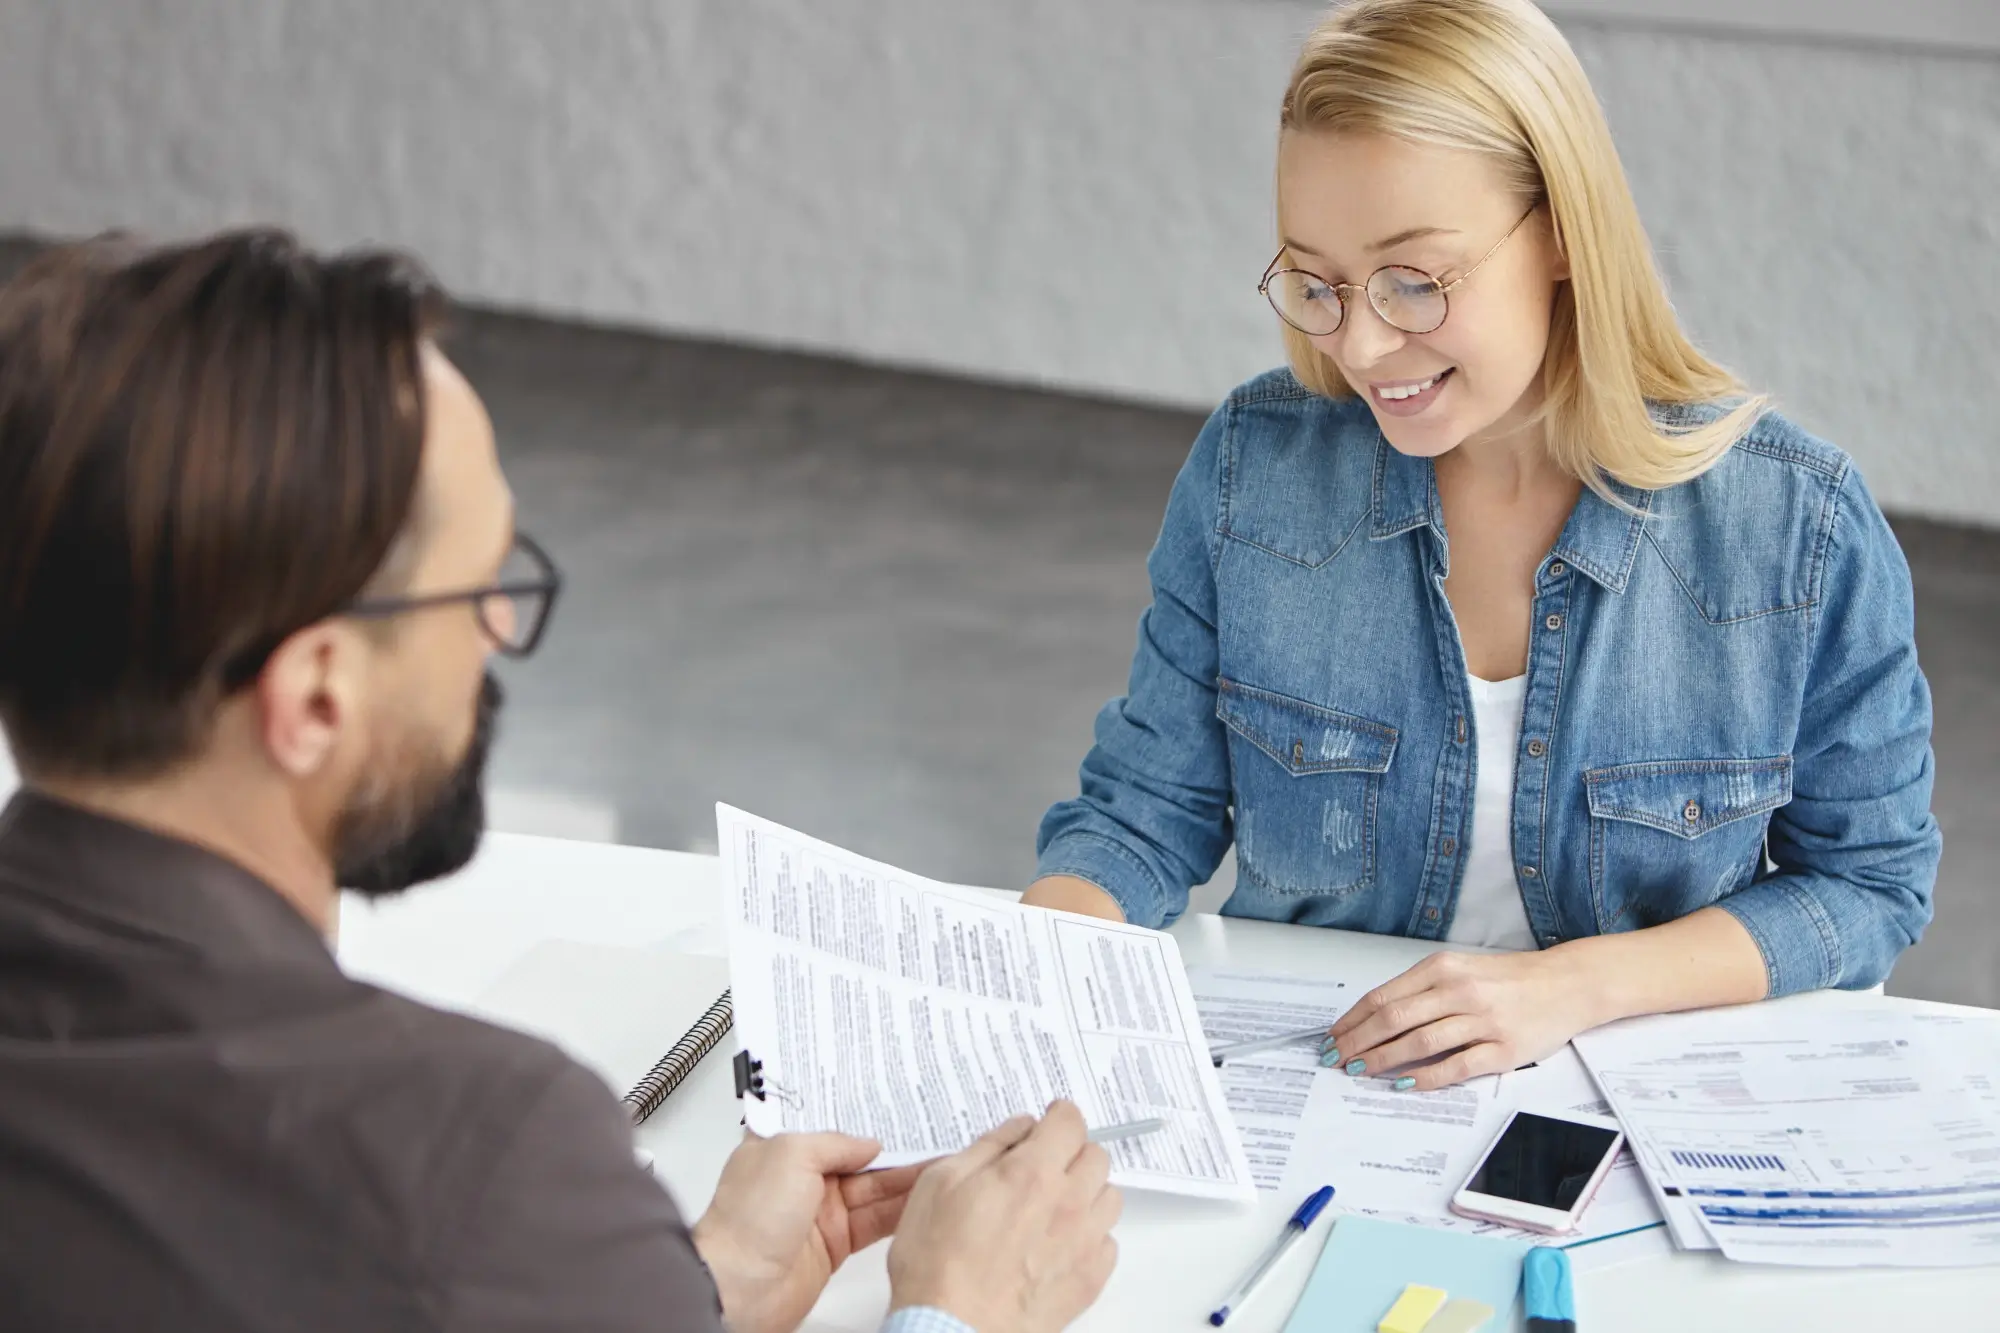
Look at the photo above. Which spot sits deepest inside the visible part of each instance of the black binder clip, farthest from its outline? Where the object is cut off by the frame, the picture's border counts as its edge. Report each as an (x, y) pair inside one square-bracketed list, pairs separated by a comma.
[(749, 1076), (750, 1079)]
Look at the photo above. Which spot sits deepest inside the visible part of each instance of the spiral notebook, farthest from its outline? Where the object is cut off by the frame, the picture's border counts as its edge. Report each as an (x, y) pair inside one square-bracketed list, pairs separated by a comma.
[(640, 1019)]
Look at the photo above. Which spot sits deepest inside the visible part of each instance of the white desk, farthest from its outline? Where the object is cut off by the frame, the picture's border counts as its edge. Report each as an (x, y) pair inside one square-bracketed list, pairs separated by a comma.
[(448, 942)]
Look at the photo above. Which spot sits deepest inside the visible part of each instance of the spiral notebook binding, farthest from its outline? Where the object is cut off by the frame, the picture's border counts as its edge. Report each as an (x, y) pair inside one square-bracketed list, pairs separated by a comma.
[(675, 1066)]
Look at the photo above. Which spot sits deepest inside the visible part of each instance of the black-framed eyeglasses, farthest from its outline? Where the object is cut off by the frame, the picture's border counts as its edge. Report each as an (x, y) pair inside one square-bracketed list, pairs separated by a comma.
[(1406, 298), (514, 610)]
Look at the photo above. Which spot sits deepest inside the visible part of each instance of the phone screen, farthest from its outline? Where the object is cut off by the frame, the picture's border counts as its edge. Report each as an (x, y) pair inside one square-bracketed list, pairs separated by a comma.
[(1543, 1162)]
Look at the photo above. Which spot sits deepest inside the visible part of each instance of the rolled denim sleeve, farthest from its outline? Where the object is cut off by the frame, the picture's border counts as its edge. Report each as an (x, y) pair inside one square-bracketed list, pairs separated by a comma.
[(1152, 817), (1857, 848)]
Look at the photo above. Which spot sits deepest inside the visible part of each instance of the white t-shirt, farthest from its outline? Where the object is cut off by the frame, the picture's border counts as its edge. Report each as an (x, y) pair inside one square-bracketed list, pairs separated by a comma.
[(1489, 899)]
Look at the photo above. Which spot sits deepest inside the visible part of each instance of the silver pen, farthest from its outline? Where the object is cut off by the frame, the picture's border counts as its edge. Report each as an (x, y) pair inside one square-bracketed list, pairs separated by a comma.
[(1221, 1053), (1130, 1129)]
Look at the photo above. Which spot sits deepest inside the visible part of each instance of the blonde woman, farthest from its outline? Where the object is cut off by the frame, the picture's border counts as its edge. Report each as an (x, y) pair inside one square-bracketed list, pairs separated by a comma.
[(1505, 616)]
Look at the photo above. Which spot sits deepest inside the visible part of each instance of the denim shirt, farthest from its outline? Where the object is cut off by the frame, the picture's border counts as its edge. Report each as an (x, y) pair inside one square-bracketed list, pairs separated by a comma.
[(1723, 704)]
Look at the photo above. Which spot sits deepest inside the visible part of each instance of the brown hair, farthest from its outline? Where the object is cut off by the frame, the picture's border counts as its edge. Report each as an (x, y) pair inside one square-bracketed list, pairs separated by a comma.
[(204, 448)]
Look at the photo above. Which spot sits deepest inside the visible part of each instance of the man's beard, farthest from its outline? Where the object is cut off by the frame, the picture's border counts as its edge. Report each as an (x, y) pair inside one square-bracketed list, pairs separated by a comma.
[(390, 838)]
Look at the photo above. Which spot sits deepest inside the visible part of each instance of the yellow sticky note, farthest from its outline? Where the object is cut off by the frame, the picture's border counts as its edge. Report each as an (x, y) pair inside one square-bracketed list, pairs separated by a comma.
[(1412, 1310), (1463, 1315)]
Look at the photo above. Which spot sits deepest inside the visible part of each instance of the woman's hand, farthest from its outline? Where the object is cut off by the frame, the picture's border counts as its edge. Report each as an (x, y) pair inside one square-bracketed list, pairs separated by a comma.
[(1482, 1013), (1460, 1015), (1067, 893)]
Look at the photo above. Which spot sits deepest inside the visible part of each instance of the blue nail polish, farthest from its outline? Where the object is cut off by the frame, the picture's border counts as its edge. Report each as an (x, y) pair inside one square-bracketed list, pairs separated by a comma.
[(1404, 1084), (1325, 1045), (1357, 1066), (1329, 1060)]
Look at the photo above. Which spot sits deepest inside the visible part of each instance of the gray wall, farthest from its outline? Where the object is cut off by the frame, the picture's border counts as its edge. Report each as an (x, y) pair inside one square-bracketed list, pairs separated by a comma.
[(1946, 23), (1065, 192)]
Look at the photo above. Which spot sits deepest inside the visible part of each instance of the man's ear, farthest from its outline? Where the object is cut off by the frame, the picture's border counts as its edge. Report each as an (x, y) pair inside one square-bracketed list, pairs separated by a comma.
[(307, 695)]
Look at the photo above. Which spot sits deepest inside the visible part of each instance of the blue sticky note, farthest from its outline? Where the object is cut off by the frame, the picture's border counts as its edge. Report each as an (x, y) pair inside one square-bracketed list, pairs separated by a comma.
[(1367, 1263)]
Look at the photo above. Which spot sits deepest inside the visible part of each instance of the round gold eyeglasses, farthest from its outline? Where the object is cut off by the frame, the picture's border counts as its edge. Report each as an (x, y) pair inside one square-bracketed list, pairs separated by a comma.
[(1406, 298)]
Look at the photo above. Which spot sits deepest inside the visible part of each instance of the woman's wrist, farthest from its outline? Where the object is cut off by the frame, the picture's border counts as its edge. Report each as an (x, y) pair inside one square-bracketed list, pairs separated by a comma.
[(1703, 960), (1598, 979), (1068, 893)]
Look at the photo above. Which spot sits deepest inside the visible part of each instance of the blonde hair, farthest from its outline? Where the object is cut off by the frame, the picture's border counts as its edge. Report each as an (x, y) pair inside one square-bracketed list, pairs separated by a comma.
[(1495, 77)]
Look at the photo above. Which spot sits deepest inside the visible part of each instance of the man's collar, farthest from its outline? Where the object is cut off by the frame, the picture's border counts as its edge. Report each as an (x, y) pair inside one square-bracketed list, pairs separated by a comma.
[(151, 884), (1601, 540)]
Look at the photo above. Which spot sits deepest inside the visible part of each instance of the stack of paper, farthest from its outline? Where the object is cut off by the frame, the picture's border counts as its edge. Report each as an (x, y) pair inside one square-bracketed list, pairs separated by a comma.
[(1816, 1133), (1396, 1156), (922, 1015)]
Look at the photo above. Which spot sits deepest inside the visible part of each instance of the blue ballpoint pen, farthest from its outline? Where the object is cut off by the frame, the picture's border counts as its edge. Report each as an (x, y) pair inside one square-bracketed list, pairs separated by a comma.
[(1301, 1222)]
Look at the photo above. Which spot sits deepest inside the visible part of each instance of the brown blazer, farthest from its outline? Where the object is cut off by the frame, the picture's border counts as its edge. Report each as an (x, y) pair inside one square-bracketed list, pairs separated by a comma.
[(204, 1125)]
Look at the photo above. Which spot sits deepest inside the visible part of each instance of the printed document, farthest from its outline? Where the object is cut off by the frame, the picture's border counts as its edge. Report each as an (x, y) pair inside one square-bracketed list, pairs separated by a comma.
[(922, 1015), (1403, 1155), (1815, 1134), (1267, 1090), (1395, 1155)]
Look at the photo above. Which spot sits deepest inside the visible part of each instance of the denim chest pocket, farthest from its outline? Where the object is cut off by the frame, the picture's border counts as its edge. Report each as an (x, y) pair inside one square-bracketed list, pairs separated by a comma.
[(1669, 838), (1306, 783)]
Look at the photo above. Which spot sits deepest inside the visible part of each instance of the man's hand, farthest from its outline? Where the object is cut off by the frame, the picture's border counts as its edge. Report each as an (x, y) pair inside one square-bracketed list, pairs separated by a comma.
[(787, 1212), (1013, 1235)]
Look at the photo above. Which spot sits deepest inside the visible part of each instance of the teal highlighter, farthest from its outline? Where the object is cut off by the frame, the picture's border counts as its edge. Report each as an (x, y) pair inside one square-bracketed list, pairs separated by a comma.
[(1545, 1291)]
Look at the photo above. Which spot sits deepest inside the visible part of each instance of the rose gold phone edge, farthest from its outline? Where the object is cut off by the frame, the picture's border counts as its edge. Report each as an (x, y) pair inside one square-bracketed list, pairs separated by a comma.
[(1583, 1200)]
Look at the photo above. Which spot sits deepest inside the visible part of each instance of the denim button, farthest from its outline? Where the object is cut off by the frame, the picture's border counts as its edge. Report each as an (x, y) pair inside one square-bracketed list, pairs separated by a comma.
[(1692, 813), (1529, 872), (1449, 846), (1549, 939), (1536, 749), (1298, 752), (1430, 914), (1554, 622), (1557, 569)]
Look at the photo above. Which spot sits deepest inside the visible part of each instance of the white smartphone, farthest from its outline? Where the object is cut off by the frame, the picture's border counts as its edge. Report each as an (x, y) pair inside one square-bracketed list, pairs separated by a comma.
[(1541, 1172)]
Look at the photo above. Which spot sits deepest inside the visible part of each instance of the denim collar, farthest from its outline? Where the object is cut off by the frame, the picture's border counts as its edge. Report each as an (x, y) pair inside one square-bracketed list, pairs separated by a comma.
[(1600, 540)]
